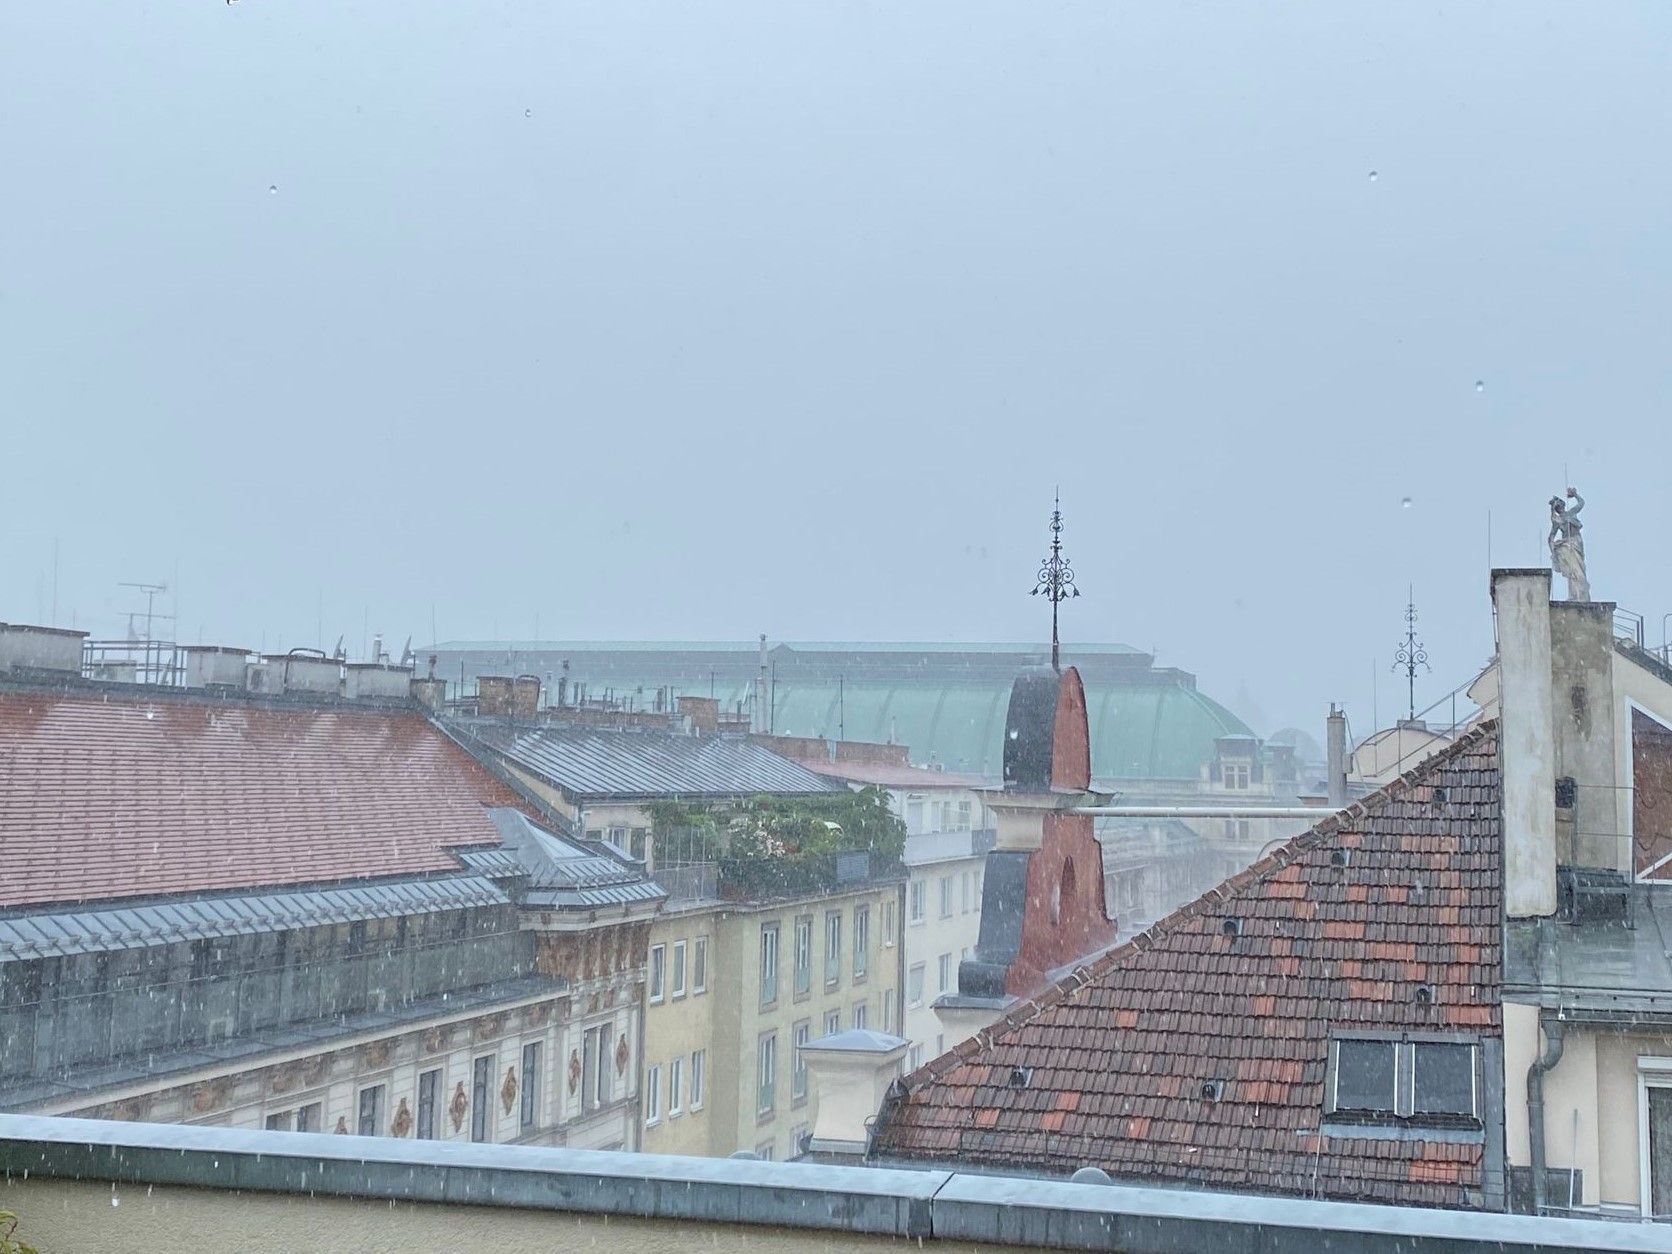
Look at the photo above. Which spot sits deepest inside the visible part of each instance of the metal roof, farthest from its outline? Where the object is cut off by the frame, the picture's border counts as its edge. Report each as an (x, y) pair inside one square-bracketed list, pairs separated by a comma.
[(203, 918), (589, 764), (562, 872)]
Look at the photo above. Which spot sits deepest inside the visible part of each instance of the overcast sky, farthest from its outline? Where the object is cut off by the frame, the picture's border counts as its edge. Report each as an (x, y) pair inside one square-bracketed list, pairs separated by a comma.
[(696, 320)]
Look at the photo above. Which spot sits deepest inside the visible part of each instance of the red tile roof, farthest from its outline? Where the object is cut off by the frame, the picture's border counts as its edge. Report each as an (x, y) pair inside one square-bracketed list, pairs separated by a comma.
[(1119, 1051), (121, 795)]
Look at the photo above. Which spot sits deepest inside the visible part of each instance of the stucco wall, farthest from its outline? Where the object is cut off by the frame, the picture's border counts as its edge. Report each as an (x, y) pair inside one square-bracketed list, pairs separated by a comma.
[(678, 1027), (61, 1217)]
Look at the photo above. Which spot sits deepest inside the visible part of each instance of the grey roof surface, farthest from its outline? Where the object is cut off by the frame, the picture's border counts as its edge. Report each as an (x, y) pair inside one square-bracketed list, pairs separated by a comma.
[(48, 935), (591, 764), (562, 872), (1596, 968), (858, 1041)]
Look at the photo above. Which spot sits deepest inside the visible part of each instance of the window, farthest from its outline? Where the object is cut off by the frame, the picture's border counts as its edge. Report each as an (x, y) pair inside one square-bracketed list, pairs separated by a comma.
[(636, 842), (371, 1110), (888, 1011), (861, 939), (940, 1044), (832, 947), (832, 1022), (591, 1063), (1234, 774), (618, 838), (658, 971), (605, 1089), (765, 1151), (307, 1117), (530, 1084), (653, 1096), (676, 1085), (1421, 1079), (699, 1064), (766, 1073), (964, 891), (861, 1014), (429, 1094), (946, 896), (915, 904), (803, 955), (678, 972), (281, 1122), (946, 973), (481, 1097), (798, 1064), (915, 1057), (699, 965), (914, 985), (964, 812), (888, 924), (914, 816), (769, 963)]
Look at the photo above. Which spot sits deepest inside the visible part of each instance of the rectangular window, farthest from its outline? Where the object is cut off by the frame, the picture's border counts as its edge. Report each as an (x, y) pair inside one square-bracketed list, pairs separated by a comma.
[(915, 1057), (798, 1066), (914, 985), (653, 1096), (803, 955), (481, 1097), (832, 1022), (371, 1110), (964, 812), (429, 1096), (769, 963), (699, 1064), (964, 891), (915, 911), (765, 1151), (606, 1085), (636, 842), (914, 817), (888, 1011), (861, 939), (658, 971), (1423, 1080), (530, 1084), (676, 1086), (678, 972), (1234, 774), (946, 896), (832, 947), (308, 1117), (946, 973), (699, 965), (591, 1062), (888, 924), (861, 1014), (281, 1122), (766, 1074)]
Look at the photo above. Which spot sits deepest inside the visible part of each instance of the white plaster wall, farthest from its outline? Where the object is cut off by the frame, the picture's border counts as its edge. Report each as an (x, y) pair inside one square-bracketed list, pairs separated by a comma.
[(1528, 750)]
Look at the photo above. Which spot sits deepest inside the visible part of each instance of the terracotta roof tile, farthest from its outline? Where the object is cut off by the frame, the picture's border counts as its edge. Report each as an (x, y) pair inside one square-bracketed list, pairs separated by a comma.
[(1127, 1043), (111, 795)]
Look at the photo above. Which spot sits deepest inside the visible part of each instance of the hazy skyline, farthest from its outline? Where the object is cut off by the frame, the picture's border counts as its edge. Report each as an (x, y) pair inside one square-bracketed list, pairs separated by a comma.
[(694, 322)]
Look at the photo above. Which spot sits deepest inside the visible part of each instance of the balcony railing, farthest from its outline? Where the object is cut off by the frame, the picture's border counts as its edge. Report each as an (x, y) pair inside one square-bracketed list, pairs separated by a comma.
[(755, 879), (695, 881)]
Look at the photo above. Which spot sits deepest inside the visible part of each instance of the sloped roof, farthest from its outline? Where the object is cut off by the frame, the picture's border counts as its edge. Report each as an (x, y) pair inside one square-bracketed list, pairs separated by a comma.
[(890, 775), (1115, 1056), (560, 872), (589, 763), (107, 794)]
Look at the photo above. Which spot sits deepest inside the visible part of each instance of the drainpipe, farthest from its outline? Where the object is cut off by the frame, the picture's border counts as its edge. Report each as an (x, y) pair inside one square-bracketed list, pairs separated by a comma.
[(1535, 1105)]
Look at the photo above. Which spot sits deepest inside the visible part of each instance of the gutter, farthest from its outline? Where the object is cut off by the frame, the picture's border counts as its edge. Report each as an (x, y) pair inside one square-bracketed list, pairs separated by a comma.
[(1553, 1041)]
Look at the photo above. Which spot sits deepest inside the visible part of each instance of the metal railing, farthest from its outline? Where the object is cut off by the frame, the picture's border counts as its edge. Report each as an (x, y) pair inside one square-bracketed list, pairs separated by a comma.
[(694, 881), (134, 661)]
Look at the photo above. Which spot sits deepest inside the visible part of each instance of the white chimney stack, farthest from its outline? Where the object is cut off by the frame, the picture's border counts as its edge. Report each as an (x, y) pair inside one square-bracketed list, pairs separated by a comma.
[(850, 1074), (1527, 752)]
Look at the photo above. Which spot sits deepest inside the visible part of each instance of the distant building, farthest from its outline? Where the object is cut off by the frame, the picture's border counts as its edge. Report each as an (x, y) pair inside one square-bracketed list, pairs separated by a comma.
[(296, 910)]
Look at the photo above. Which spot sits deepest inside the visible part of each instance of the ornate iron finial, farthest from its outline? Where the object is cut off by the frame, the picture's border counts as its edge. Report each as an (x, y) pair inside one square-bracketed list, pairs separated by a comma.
[(1056, 580), (1410, 654)]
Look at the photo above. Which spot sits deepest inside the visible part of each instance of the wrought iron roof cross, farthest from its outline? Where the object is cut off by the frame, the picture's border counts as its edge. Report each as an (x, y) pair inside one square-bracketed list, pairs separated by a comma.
[(1056, 580), (1410, 654)]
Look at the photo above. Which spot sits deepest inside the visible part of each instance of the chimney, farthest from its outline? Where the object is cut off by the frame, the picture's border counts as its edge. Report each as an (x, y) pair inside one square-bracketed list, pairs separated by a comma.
[(1521, 602), (429, 692), (850, 1073), (1335, 739), (1582, 684), (28, 648), (493, 695), (309, 671), (216, 666), (377, 681), (704, 713), (760, 722)]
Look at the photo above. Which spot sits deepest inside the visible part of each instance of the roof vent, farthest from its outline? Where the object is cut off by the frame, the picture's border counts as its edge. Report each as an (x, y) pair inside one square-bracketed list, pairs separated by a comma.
[(1213, 1090), (1020, 1077), (1425, 994), (1232, 927), (1440, 795), (1091, 1175), (1340, 857)]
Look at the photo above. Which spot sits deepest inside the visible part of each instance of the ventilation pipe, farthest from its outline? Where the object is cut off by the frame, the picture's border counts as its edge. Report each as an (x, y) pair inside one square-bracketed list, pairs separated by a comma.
[(1535, 1106), (758, 720), (1335, 740)]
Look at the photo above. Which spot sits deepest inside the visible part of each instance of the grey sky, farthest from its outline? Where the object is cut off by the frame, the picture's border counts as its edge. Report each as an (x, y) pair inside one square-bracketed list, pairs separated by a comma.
[(698, 320)]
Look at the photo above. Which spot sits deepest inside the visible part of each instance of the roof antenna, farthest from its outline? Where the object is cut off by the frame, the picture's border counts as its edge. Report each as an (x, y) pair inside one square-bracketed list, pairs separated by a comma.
[(1056, 580)]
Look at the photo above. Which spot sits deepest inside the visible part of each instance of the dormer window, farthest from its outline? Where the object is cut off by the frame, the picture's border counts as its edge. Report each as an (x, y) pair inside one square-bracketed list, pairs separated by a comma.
[(1414, 1078), (1234, 774)]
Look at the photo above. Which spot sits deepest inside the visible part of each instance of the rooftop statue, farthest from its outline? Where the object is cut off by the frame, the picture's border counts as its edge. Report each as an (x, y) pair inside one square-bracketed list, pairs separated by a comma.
[(1567, 545)]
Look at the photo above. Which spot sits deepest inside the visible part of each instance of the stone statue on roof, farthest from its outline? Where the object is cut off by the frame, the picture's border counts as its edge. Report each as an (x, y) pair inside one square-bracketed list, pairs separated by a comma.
[(1567, 545)]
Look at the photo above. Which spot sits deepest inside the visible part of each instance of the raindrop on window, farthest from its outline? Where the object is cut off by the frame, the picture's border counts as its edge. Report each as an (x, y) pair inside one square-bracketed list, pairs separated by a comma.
[(1480, 385), (1405, 503), (528, 113), (1374, 176), (272, 189)]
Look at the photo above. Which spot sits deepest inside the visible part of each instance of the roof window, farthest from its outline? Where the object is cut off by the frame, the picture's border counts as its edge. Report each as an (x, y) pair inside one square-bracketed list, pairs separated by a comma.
[(1411, 1078)]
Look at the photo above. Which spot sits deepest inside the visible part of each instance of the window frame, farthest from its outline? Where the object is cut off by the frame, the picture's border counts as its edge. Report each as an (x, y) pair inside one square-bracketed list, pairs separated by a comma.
[(676, 970), (1404, 1113), (769, 964), (379, 1093), (800, 1034), (766, 1074), (801, 957), (832, 948), (916, 974), (427, 1125), (861, 942), (699, 965), (888, 914), (533, 1065), (656, 978), (946, 896), (653, 1095), (699, 1065), (917, 902)]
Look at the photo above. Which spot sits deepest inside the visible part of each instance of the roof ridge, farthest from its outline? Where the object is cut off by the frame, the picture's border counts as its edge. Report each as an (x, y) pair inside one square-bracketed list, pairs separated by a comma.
[(1233, 886)]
